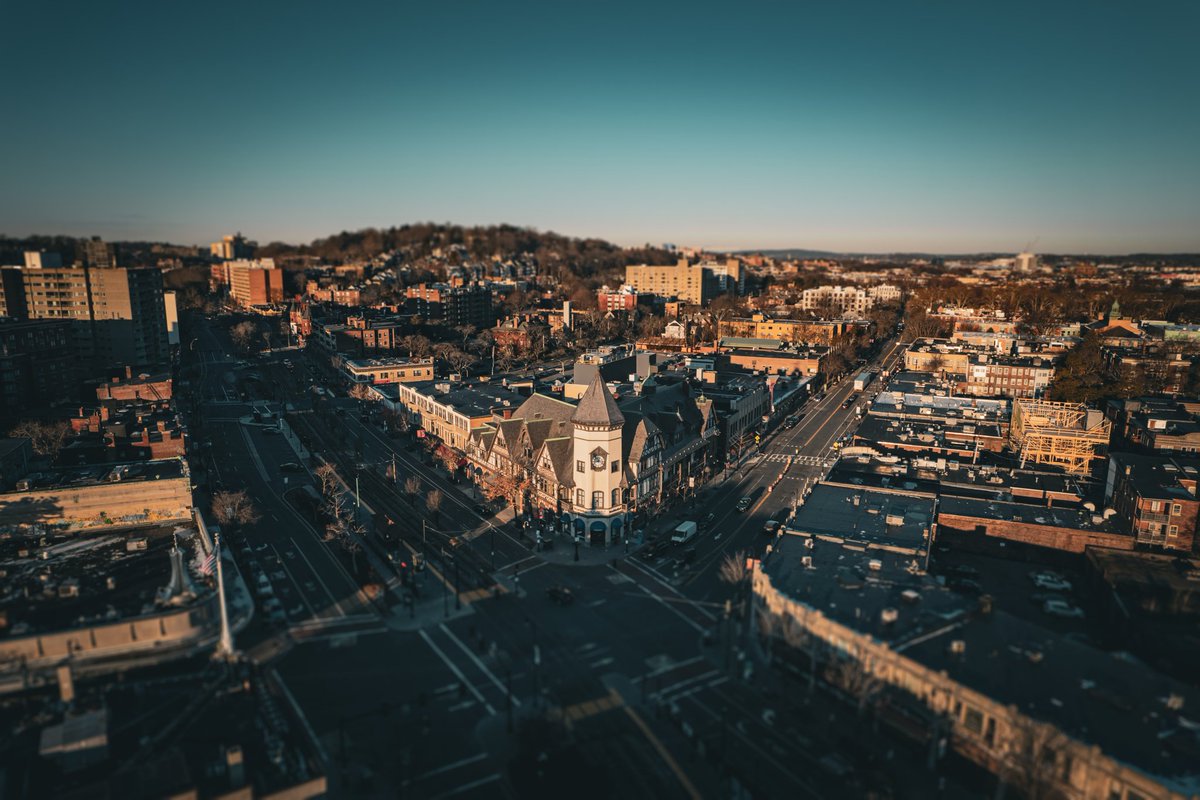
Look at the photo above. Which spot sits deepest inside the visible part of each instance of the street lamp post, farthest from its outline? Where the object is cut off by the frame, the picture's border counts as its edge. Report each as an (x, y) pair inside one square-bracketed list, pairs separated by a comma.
[(457, 598), (445, 595)]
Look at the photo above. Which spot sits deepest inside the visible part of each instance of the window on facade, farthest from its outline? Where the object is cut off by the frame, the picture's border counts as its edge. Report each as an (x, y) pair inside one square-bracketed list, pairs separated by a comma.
[(579, 466), (579, 497), (973, 721), (597, 499), (1176, 509), (1155, 506), (616, 465), (616, 497)]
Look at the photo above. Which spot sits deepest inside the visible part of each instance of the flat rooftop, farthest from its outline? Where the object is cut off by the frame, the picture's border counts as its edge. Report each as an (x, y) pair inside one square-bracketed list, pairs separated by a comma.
[(866, 516), (1076, 519), (1108, 699), (103, 473), (57, 582)]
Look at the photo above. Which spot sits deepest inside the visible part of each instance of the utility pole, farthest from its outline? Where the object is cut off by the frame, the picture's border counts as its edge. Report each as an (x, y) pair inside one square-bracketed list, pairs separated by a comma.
[(508, 696), (457, 598), (445, 595)]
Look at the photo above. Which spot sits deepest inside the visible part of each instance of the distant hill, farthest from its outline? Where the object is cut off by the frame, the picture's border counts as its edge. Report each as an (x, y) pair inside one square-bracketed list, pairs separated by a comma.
[(582, 258)]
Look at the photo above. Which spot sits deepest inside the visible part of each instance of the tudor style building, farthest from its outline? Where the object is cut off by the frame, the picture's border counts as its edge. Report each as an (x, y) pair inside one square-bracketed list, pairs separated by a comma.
[(596, 464)]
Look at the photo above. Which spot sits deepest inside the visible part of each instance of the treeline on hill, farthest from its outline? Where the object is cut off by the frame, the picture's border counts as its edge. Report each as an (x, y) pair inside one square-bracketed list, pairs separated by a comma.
[(13, 249), (583, 258)]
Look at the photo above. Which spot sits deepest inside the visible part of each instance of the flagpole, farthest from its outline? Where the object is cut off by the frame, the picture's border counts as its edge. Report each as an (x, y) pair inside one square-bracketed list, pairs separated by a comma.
[(225, 645)]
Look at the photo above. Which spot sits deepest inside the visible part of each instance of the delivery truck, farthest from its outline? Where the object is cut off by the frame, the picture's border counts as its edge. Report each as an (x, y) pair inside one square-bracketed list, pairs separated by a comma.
[(684, 532)]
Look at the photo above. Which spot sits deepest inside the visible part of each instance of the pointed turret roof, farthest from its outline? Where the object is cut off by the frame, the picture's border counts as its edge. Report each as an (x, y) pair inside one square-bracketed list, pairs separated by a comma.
[(597, 406)]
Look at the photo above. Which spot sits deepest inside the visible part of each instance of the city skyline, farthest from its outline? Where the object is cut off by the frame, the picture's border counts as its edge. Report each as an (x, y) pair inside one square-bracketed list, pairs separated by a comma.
[(941, 130)]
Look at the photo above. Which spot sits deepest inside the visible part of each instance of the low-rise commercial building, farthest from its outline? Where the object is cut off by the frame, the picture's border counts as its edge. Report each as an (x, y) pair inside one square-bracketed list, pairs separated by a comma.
[(1048, 714), (389, 370)]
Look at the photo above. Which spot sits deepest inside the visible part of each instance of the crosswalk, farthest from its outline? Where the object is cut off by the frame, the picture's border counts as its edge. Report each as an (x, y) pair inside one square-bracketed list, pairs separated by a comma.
[(780, 458)]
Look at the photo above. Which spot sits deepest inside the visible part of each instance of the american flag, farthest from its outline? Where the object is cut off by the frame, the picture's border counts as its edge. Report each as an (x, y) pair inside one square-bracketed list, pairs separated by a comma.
[(208, 563)]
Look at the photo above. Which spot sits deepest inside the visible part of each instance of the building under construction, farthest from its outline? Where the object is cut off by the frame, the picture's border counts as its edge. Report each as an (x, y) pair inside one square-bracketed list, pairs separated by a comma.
[(1069, 435)]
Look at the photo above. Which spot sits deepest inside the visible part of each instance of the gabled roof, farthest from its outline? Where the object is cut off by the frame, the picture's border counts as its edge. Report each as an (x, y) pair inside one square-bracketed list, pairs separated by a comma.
[(560, 451), (597, 406)]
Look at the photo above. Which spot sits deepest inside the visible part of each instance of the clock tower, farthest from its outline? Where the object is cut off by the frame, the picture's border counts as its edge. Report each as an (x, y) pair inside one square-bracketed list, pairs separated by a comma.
[(598, 504)]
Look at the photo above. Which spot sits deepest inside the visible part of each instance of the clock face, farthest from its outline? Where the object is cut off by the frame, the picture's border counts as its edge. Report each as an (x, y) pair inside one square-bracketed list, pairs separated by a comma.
[(598, 461)]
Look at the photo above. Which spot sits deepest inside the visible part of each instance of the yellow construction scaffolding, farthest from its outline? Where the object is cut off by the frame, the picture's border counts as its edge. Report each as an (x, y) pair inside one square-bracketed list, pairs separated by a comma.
[(1069, 435)]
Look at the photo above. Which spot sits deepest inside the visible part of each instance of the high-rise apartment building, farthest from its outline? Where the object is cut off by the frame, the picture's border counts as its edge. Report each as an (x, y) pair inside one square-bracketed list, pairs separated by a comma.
[(129, 320), (682, 280), (12, 293), (250, 282), (116, 313), (232, 247), (454, 305), (96, 253), (38, 367), (1026, 262)]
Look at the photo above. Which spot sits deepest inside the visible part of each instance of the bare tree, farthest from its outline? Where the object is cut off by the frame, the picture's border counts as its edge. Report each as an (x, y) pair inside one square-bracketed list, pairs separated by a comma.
[(433, 502), (362, 392), (233, 508), (733, 569), (328, 478), (47, 438), (852, 676), (412, 488), (460, 360), (242, 334)]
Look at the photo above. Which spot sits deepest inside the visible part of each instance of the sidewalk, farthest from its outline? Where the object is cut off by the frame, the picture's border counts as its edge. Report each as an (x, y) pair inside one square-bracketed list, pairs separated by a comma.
[(428, 610)]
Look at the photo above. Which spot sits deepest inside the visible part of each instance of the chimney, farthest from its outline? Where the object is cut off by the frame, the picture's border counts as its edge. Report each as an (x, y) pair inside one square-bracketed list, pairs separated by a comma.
[(128, 372)]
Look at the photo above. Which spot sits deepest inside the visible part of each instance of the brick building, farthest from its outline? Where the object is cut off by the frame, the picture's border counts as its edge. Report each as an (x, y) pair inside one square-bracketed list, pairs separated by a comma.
[(1156, 496)]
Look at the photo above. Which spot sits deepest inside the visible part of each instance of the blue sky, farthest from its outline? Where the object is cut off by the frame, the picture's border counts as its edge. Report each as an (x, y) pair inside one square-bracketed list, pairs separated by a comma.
[(866, 126)]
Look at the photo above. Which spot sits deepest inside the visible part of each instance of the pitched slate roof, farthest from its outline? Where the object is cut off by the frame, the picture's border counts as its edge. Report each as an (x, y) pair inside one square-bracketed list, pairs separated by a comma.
[(597, 406)]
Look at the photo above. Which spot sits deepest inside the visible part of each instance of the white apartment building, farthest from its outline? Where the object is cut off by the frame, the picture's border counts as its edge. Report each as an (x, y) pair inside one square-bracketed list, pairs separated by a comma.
[(848, 300)]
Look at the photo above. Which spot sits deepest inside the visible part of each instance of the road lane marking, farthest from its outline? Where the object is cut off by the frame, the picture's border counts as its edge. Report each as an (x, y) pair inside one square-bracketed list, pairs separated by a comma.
[(457, 672), (665, 754), (466, 787), (296, 583), (482, 667), (337, 604), (462, 762)]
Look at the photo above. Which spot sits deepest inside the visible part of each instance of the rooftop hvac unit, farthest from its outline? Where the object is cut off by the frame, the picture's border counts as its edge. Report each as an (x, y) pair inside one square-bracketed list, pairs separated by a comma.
[(806, 562), (958, 647), (875, 565), (888, 616)]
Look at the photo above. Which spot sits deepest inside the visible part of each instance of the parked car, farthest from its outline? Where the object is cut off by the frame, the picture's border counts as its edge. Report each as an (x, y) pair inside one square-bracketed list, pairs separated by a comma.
[(771, 525), (560, 595), (291, 466), (744, 503), (1046, 580), (965, 585), (1061, 608), (707, 521)]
